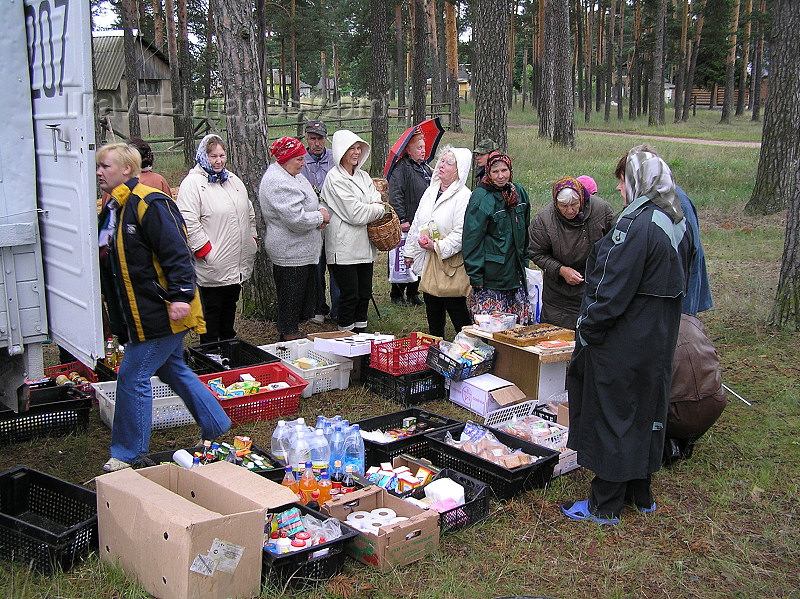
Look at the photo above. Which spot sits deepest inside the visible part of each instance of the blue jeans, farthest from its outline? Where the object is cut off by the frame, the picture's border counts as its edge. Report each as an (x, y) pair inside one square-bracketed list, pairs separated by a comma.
[(133, 412)]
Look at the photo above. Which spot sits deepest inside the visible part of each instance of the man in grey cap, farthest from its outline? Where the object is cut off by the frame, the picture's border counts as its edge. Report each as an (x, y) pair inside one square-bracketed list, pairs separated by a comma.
[(318, 161), (482, 150)]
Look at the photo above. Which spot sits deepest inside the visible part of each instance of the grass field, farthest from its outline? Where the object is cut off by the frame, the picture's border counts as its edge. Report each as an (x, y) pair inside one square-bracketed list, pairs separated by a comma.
[(728, 522)]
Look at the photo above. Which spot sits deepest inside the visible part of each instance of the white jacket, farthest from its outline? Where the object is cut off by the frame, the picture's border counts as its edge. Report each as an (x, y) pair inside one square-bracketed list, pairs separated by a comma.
[(352, 203), (220, 214), (447, 212)]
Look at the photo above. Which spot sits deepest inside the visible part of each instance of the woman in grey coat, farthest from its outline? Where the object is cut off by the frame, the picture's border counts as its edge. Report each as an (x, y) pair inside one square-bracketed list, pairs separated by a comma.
[(293, 241)]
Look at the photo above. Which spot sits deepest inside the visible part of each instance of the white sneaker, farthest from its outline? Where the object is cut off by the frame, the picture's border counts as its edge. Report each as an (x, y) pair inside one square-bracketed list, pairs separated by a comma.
[(318, 319), (113, 464)]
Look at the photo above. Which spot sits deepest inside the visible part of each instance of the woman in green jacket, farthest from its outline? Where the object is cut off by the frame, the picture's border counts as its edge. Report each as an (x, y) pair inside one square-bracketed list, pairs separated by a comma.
[(495, 242)]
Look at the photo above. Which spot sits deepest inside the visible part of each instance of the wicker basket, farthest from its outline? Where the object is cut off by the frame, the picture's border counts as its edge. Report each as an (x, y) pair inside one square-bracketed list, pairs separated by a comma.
[(384, 233)]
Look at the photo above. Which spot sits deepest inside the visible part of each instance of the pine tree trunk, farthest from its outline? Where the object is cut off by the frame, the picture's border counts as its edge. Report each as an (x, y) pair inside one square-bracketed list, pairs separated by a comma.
[(564, 103), (682, 66), (599, 78), (158, 25), (620, 38), (779, 162), (740, 101), (451, 31), (248, 139), (400, 59), (437, 87), (587, 107), (609, 68), (491, 99), (730, 68), (184, 60), (579, 44), (656, 112), (208, 58), (687, 98), (131, 69), (757, 66), (418, 70), (546, 97), (633, 102), (379, 85)]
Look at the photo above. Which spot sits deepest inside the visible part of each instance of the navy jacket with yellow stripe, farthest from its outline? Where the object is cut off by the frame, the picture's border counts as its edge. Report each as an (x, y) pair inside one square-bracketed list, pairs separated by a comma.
[(149, 266)]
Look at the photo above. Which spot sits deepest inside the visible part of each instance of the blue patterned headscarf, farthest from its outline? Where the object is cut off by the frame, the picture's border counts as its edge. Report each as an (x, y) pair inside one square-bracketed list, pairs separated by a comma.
[(201, 157)]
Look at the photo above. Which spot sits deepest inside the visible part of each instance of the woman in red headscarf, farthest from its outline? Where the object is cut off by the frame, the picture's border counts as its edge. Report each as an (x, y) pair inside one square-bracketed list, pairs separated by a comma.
[(561, 236), (294, 220), (495, 242)]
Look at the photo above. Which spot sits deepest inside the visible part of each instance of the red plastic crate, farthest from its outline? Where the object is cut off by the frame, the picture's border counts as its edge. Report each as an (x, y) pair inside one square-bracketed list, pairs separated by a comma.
[(264, 405), (402, 356), (80, 368)]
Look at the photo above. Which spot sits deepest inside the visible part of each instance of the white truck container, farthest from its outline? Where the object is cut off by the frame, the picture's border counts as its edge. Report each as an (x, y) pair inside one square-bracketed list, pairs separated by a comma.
[(50, 287)]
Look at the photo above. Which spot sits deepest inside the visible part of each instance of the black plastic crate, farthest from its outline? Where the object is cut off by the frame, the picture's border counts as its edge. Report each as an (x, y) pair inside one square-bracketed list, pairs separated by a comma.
[(308, 566), (413, 444), (45, 522), (505, 483), (455, 370), (234, 354), (52, 411), (104, 372), (276, 474), (405, 389), (545, 414), (476, 502)]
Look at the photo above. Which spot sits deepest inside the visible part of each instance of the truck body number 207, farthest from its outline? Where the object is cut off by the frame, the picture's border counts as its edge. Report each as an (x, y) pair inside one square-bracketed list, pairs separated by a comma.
[(46, 26)]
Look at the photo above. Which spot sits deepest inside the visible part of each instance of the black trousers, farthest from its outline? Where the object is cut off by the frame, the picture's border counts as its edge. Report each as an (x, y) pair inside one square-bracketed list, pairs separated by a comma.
[(296, 288), (219, 309), (355, 287), (411, 289), (437, 308), (608, 498)]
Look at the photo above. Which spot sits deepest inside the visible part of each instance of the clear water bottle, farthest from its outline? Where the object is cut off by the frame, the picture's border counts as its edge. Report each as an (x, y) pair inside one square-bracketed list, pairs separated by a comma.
[(354, 450), (328, 430), (320, 453), (299, 450), (279, 444), (337, 445)]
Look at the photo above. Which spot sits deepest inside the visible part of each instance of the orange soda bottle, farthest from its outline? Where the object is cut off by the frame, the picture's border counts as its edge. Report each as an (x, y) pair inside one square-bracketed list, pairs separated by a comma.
[(324, 485), (308, 483), (290, 481)]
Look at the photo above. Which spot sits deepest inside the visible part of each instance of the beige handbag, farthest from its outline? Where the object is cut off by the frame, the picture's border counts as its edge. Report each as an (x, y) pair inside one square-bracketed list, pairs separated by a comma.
[(445, 278)]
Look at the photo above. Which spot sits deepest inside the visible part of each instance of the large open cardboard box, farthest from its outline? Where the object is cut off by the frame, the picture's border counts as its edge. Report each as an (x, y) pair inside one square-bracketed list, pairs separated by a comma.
[(485, 393), (394, 544), (186, 534)]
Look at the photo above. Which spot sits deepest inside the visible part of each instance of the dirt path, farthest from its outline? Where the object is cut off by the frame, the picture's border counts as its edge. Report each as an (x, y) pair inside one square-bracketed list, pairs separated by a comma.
[(688, 140)]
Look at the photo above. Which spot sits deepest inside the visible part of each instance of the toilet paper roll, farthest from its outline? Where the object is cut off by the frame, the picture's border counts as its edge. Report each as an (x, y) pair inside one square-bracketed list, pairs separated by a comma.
[(397, 519), (359, 517), (384, 514), (375, 525)]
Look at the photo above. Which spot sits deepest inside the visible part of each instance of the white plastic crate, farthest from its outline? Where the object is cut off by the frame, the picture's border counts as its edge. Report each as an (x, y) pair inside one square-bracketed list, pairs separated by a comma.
[(168, 408), (322, 378), (567, 458)]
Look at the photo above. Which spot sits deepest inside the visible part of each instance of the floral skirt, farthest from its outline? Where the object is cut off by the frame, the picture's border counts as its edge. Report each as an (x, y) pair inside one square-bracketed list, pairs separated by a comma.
[(487, 301)]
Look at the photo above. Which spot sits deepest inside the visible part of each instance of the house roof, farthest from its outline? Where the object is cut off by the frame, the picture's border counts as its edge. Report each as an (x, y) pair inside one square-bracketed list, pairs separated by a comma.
[(109, 59)]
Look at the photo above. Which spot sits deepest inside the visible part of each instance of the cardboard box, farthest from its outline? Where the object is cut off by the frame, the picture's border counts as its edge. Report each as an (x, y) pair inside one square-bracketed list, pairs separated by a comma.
[(347, 344), (186, 534), (485, 393), (539, 380), (394, 544), (562, 417)]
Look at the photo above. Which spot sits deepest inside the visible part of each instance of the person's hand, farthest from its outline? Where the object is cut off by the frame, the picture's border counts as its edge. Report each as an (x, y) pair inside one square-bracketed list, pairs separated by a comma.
[(404, 227), (178, 310), (408, 261), (326, 218), (570, 275), (426, 242)]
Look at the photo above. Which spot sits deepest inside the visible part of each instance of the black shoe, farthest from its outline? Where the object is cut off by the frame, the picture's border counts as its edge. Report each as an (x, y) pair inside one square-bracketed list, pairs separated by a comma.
[(359, 330), (416, 300), (399, 301)]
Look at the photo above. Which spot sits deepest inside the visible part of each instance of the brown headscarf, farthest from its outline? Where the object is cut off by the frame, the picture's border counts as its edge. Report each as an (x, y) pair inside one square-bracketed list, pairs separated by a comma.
[(572, 183), (508, 191)]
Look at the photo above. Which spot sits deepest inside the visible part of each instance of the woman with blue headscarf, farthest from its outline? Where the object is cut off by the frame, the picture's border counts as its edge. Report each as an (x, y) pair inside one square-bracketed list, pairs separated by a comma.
[(221, 224)]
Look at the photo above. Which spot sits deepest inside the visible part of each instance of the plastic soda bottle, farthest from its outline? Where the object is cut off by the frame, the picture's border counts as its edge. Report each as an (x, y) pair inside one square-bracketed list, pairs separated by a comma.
[(307, 484), (337, 445), (348, 482), (337, 476), (354, 450), (290, 481), (324, 485)]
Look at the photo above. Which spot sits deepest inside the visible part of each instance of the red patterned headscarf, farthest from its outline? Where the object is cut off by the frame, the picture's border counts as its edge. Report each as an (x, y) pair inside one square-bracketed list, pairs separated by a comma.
[(509, 191), (285, 148)]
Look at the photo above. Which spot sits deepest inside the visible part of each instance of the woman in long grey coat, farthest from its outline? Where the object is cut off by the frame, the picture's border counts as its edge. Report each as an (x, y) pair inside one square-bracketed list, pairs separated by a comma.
[(621, 369), (293, 239)]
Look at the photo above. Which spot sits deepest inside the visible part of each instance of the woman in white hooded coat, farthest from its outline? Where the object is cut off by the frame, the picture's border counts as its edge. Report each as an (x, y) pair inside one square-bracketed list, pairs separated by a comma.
[(353, 201), (443, 203)]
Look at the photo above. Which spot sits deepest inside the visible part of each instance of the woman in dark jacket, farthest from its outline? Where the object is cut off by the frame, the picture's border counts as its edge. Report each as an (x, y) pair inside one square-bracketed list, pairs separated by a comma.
[(408, 181), (561, 236), (495, 242)]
